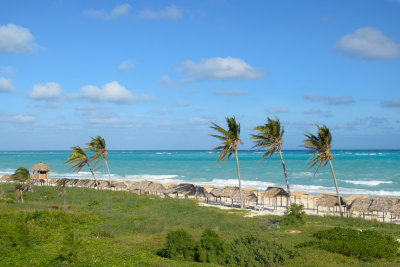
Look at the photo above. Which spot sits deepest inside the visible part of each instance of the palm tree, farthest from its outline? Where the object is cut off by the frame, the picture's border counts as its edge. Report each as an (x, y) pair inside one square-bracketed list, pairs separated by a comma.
[(229, 145), (80, 159), (22, 175), (19, 191), (270, 137), (320, 146), (98, 146), (62, 188)]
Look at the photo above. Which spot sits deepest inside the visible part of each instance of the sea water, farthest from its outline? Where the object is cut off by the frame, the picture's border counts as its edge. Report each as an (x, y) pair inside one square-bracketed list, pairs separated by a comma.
[(376, 173)]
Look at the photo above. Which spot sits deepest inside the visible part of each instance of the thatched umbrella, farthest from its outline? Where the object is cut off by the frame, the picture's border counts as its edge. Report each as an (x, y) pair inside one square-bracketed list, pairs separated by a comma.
[(383, 204), (360, 205), (187, 190), (298, 195), (155, 188), (82, 182), (226, 191), (103, 184), (274, 193), (248, 195), (329, 201), (395, 209), (119, 185), (42, 172), (5, 178), (351, 198), (138, 187)]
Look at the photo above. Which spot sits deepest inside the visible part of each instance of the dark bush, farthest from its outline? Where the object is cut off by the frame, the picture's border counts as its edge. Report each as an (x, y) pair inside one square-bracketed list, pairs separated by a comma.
[(364, 245), (211, 248), (249, 250), (179, 246), (294, 215)]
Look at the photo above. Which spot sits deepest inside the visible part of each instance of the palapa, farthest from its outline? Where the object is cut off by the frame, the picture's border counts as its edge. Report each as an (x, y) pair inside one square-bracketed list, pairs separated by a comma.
[(138, 186), (328, 200), (395, 209), (40, 167), (360, 205), (272, 192), (383, 204), (155, 187), (249, 196), (187, 190), (226, 191), (351, 198), (5, 178)]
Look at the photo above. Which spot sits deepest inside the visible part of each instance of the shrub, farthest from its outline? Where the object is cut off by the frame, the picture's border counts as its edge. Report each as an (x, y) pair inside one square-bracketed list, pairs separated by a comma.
[(294, 215), (104, 230), (93, 203), (249, 250), (211, 248), (364, 245), (47, 195), (179, 246)]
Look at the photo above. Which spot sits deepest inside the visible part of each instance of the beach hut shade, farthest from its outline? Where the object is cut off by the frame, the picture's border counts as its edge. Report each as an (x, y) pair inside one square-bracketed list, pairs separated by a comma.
[(383, 204), (272, 192), (226, 191), (40, 167), (247, 196), (360, 205), (351, 198), (395, 210), (187, 190), (139, 185), (298, 193), (155, 187), (328, 200)]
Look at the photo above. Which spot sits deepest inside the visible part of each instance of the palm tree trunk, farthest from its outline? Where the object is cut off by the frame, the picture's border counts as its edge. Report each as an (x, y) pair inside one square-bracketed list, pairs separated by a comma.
[(337, 189), (94, 177), (21, 196), (286, 179), (240, 182), (109, 176)]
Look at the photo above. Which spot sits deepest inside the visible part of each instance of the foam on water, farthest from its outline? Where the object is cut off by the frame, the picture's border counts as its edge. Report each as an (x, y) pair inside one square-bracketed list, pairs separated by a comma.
[(369, 183)]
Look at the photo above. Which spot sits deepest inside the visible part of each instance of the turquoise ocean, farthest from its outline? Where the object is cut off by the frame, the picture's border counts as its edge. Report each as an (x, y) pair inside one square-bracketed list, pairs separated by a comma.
[(376, 173)]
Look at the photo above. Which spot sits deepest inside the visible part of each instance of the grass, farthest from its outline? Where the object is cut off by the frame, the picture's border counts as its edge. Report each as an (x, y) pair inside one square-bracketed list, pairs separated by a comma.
[(122, 229)]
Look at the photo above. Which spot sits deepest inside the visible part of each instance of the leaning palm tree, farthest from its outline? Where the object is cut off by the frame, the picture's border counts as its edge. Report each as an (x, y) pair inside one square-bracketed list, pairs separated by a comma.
[(19, 190), (62, 189), (270, 137), (320, 146), (22, 175), (98, 146), (229, 145), (80, 159)]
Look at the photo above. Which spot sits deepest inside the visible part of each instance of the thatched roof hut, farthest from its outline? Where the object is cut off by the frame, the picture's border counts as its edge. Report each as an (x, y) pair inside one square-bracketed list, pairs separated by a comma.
[(360, 205), (351, 198), (155, 187), (40, 167), (170, 184), (138, 186), (298, 194), (395, 209), (383, 204), (226, 191), (328, 200), (248, 195), (187, 190), (272, 192), (5, 178)]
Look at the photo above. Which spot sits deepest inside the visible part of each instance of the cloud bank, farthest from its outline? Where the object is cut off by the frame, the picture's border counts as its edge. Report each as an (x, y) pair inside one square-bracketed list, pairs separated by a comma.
[(368, 43), (16, 40), (117, 11), (45, 91), (6, 85), (330, 100), (221, 69), (169, 13)]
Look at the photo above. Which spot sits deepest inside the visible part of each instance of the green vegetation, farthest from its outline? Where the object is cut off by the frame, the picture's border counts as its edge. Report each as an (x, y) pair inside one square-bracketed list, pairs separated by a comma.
[(116, 228), (364, 245), (294, 216)]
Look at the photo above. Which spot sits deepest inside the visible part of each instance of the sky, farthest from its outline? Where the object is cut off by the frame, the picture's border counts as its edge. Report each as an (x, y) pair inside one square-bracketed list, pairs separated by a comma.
[(153, 75)]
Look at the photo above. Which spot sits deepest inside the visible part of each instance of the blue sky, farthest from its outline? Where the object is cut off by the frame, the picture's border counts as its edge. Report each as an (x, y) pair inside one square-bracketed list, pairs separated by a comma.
[(155, 74)]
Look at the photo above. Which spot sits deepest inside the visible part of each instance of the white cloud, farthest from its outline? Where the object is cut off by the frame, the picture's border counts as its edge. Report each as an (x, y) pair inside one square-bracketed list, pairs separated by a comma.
[(183, 103), (221, 68), (170, 13), (118, 11), (393, 103), (368, 43), (281, 109), (330, 100), (126, 65), (166, 81), (112, 92), (45, 91), (16, 40), (7, 70), (22, 118), (6, 85), (231, 93)]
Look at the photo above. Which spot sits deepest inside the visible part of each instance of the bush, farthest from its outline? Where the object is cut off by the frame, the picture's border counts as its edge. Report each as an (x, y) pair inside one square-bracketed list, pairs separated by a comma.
[(211, 248), (249, 250), (364, 245), (179, 246), (47, 195), (294, 215)]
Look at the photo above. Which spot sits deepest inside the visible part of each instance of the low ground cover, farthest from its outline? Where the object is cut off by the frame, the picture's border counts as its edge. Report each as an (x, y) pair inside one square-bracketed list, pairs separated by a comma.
[(108, 228)]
